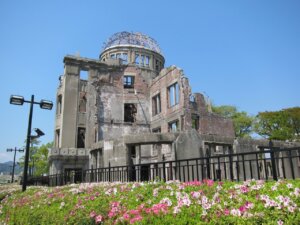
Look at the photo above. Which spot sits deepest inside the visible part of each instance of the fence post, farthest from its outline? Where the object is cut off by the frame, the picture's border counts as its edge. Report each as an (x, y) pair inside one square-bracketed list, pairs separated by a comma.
[(164, 171), (207, 164), (230, 164), (109, 172), (273, 161)]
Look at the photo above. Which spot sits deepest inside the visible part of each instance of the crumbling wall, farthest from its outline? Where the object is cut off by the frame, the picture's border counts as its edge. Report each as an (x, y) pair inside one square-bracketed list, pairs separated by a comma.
[(160, 84)]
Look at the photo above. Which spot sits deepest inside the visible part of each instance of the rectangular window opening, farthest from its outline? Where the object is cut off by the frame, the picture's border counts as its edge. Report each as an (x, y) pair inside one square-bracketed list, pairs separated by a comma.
[(173, 126), (130, 113), (59, 105), (128, 81), (124, 58), (173, 94), (156, 105), (132, 151), (137, 59), (82, 102), (156, 130), (195, 122), (142, 60), (147, 60), (81, 137), (84, 75), (57, 137)]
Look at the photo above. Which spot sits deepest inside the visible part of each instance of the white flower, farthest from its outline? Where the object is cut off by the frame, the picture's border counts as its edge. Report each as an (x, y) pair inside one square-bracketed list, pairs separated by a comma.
[(166, 201), (235, 212)]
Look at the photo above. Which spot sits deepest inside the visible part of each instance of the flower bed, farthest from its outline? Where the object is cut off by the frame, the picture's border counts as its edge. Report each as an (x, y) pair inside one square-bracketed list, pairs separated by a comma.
[(206, 202)]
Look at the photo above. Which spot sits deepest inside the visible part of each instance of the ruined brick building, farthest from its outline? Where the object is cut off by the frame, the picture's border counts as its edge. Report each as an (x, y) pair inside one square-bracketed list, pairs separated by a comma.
[(127, 108)]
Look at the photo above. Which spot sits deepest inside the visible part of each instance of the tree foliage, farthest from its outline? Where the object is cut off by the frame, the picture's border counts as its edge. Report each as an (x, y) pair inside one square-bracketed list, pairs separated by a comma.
[(242, 122), (279, 125), (38, 160)]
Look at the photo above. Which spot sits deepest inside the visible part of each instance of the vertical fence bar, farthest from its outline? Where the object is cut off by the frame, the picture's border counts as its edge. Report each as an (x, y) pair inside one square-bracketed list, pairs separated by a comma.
[(291, 164), (225, 171), (208, 167), (250, 166), (109, 179), (231, 166), (274, 171), (164, 171), (237, 169), (244, 170), (283, 167), (266, 171), (219, 169), (188, 170), (257, 166)]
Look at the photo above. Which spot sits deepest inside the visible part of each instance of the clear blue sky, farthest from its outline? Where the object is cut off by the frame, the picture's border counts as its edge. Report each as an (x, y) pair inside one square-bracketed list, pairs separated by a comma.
[(243, 53)]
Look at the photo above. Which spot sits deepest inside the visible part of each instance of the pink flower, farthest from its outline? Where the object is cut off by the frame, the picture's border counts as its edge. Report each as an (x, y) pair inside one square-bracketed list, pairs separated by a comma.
[(99, 219), (209, 182), (93, 214), (195, 194), (115, 204), (226, 212), (242, 209), (244, 189), (249, 205), (136, 218), (134, 212), (126, 216)]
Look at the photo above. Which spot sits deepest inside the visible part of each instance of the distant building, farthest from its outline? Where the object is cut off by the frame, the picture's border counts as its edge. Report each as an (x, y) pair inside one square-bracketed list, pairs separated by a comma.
[(126, 108)]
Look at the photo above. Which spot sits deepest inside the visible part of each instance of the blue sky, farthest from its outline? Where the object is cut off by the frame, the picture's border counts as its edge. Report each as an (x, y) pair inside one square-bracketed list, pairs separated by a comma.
[(243, 53)]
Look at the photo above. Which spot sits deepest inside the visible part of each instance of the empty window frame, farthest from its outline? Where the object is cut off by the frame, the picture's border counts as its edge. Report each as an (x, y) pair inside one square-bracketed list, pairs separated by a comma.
[(192, 98), (132, 151), (118, 55), (173, 94), (124, 58), (130, 112), (82, 102), (156, 64), (147, 61), (128, 81), (195, 121), (156, 105), (137, 59), (173, 126), (57, 137), (156, 130), (142, 60), (113, 56), (59, 105), (81, 137)]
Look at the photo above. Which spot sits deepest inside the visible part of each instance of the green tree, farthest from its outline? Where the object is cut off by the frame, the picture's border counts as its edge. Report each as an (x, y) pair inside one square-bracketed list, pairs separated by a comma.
[(242, 122), (41, 165), (279, 125), (38, 160)]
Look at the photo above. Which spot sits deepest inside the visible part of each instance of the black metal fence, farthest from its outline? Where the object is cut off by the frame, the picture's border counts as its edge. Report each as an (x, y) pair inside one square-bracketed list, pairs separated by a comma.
[(270, 164)]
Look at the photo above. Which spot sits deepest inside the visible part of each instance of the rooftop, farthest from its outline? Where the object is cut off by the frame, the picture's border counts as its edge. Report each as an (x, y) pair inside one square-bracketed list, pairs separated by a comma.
[(125, 38)]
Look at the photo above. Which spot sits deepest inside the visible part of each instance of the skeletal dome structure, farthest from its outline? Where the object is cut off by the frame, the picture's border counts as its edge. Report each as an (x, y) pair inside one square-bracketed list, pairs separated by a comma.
[(133, 48)]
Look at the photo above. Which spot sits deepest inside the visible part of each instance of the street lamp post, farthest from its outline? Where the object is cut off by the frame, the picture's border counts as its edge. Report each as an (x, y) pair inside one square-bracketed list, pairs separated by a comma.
[(44, 104), (13, 167)]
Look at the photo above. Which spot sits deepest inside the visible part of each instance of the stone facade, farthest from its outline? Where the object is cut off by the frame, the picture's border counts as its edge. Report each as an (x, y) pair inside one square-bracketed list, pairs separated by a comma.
[(130, 109)]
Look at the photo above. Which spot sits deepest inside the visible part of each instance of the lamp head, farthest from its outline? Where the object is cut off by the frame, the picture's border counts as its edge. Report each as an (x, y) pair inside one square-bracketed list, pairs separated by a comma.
[(16, 100), (45, 104), (39, 132)]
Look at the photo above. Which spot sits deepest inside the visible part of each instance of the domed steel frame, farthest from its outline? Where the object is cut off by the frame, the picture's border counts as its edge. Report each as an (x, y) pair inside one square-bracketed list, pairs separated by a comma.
[(130, 38)]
